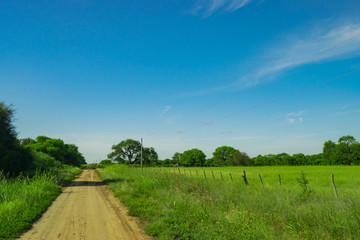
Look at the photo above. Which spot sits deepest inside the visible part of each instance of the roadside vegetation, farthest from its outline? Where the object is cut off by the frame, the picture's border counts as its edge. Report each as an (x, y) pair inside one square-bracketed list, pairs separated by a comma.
[(175, 204), (23, 199), (31, 175)]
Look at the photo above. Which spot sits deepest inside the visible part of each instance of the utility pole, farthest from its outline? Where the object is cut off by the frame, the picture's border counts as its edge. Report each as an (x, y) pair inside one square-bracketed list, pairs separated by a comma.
[(141, 153)]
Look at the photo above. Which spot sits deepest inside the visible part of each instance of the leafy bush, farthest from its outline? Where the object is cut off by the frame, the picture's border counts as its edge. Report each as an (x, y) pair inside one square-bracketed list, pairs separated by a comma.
[(106, 162), (43, 161)]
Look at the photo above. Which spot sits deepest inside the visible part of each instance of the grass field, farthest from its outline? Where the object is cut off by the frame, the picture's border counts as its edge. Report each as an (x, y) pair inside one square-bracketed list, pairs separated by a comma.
[(184, 206), (24, 199)]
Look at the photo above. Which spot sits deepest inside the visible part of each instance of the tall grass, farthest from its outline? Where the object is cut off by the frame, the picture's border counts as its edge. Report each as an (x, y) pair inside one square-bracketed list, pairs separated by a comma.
[(24, 199), (186, 206)]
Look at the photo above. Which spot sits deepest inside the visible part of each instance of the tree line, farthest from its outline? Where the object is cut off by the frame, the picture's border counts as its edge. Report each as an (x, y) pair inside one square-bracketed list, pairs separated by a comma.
[(30, 155), (345, 152)]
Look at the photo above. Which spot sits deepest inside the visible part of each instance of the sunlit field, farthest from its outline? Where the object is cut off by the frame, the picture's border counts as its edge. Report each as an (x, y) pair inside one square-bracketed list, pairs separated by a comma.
[(180, 203)]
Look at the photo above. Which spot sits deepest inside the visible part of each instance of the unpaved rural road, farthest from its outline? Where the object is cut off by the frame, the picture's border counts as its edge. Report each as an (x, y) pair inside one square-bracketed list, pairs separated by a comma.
[(86, 209)]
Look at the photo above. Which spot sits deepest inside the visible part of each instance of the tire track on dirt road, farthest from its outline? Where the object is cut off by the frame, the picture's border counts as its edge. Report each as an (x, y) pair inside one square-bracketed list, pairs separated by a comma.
[(86, 209)]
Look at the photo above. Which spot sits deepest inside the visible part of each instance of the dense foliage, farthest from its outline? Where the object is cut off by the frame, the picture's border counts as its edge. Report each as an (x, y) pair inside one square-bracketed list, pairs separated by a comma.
[(345, 152), (193, 157), (56, 148), (13, 158), (28, 155)]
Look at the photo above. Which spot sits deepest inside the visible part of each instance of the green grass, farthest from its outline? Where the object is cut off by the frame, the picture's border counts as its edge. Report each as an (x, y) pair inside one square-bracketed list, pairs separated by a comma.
[(24, 199), (184, 206)]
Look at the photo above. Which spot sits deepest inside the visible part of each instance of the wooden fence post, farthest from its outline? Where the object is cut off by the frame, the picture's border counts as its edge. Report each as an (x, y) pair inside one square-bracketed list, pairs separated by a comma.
[(213, 175), (179, 171), (245, 179), (333, 185), (261, 180), (221, 176), (204, 174), (231, 177), (279, 179)]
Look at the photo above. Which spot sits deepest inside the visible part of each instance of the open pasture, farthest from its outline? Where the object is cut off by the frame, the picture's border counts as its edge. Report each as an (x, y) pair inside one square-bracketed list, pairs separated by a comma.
[(182, 206), (346, 178)]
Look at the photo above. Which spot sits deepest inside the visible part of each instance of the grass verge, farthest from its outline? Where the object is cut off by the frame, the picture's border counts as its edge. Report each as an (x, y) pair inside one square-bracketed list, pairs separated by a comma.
[(24, 199), (178, 206)]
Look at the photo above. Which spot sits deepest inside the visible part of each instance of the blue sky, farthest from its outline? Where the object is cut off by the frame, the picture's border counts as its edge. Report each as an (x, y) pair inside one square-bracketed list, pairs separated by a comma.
[(257, 75)]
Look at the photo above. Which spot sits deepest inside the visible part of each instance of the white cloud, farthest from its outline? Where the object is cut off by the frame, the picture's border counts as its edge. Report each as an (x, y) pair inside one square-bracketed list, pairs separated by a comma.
[(209, 7), (347, 112), (293, 117), (165, 110), (332, 43), (290, 120), (335, 43)]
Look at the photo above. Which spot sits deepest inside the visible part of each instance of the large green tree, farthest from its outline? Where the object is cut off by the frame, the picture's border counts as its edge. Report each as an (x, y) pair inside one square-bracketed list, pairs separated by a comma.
[(224, 155), (193, 157), (129, 151)]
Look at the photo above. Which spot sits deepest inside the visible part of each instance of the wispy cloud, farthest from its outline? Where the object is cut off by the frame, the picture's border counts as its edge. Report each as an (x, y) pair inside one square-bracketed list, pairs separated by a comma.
[(293, 117), (333, 43), (165, 110), (207, 8), (346, 110)]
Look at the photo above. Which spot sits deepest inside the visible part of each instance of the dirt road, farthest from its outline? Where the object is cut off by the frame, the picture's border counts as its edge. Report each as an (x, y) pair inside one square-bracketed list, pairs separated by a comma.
[(87, 210)]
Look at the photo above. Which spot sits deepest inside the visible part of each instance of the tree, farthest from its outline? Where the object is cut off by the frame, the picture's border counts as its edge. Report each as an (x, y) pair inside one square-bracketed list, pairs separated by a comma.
[(355, 153), (13, 158), (224, 155), (345, 152), (241, 159), (176, 158), (73, 156), (317, 159), (167, 162), (284, 159), (193, 157), (127, 150), (300, 159), (56, 148), (347, 139), (328, 150), (149, 155), (342, 154), (106, 162), (209, 162)]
